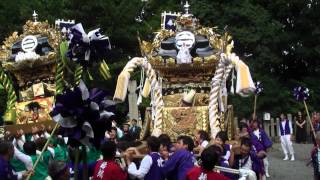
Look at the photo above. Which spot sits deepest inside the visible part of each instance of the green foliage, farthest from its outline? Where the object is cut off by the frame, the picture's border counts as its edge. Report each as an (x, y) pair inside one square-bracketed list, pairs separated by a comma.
[(279, 40)]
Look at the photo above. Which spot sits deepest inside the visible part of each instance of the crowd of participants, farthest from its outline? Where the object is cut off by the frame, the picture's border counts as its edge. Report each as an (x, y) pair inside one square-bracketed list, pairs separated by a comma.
[(122, 156)]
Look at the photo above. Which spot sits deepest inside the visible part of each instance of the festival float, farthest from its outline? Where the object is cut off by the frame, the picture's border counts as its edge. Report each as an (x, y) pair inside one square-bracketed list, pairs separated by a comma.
[(186, 68), (42, 72), (41, 63), (28, 69)]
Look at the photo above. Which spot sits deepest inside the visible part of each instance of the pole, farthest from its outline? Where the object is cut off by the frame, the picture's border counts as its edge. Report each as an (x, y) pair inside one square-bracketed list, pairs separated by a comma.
[(43, 149), (309, 119), (255, 106), (85, 162), (76, 163)]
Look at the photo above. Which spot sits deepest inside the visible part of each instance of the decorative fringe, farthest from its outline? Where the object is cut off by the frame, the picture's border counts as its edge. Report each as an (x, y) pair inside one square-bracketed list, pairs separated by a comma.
[(139, 101), (78, 74), (232, 82), (11, 96), (60, 66), (104, 70), (245, 85), (146, 88), (122, 86), (89, 75)]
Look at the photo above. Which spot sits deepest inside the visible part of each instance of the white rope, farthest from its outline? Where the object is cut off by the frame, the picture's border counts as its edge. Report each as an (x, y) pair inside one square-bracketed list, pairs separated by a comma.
[(213, 100)]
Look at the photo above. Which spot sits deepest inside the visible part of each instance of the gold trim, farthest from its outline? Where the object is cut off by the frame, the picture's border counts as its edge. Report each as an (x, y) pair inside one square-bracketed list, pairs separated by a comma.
[(44, 66), (31, 28), (185, 120)]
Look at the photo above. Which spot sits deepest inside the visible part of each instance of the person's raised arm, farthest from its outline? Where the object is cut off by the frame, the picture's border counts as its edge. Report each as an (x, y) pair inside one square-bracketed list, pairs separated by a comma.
[(233, 150), (171, 163), (143, 170), (24, 158)]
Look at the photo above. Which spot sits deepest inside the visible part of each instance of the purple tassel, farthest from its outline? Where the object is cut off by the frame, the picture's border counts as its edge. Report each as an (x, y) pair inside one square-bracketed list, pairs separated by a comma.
[(259, 88), (87, 48), (301, 93), (73, 108)]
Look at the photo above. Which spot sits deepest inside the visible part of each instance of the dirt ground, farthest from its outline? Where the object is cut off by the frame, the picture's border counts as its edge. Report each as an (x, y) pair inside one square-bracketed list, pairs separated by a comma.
[(290, 170)]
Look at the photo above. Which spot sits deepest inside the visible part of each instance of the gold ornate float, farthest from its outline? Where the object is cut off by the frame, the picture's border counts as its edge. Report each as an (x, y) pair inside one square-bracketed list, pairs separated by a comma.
[(186, 68), (27, 73)]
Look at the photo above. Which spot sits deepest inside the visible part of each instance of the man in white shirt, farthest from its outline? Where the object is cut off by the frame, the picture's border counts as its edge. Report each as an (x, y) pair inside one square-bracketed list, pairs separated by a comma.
[(150, 165), (6, 170), (285, 132)]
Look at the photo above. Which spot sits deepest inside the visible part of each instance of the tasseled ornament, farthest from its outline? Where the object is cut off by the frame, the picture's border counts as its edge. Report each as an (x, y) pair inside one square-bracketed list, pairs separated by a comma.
[(122, 86), (146, 88)]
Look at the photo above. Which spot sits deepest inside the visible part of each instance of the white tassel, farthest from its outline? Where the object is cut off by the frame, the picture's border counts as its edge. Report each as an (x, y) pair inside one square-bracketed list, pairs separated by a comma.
[(140, 87), (232, 82), (139, 101), (220, 100)]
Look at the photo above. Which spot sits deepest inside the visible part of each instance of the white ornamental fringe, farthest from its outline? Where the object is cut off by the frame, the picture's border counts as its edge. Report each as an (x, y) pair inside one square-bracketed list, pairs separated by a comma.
[(140, 87)]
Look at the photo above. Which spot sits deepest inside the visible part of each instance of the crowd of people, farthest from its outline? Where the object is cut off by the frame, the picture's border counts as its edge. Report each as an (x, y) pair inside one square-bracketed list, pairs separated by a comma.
[(122, 156)]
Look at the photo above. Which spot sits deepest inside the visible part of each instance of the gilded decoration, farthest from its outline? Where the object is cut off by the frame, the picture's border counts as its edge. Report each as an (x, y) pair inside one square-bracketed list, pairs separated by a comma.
[(32, 28), (31, 58), (28, 112), (222, 43), (31, 69), (185, 56), (174, 100), (163, 34), (201, 68), (185, 120)]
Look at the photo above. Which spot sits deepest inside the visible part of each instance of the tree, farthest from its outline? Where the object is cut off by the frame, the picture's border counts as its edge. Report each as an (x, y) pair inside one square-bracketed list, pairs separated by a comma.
[(279, 40)]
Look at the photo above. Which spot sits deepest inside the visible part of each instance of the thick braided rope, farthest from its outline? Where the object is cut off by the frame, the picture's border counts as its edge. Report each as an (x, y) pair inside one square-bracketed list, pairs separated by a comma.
[(213, 101), (155, 87), (133, 64), (223, 83), (227, 72), (157, 98)]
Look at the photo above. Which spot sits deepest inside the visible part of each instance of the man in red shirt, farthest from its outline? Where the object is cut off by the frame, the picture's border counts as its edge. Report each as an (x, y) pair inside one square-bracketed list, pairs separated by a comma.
[(108, 169), (209, 158)]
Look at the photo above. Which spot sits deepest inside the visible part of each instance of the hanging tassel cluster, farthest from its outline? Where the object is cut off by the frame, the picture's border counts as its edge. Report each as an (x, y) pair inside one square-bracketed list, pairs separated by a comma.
[(259, 88), (83, 114), (301, 93)]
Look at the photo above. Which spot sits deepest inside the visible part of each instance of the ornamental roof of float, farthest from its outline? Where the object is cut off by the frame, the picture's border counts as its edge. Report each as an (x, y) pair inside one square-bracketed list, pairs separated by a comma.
[(205, 45), (32, 54)]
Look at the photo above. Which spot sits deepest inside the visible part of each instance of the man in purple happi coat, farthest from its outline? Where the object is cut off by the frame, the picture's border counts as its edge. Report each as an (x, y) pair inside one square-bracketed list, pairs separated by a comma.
[(285, 132), (261, 142), (150, 165), (182, 160), (249, 159)]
